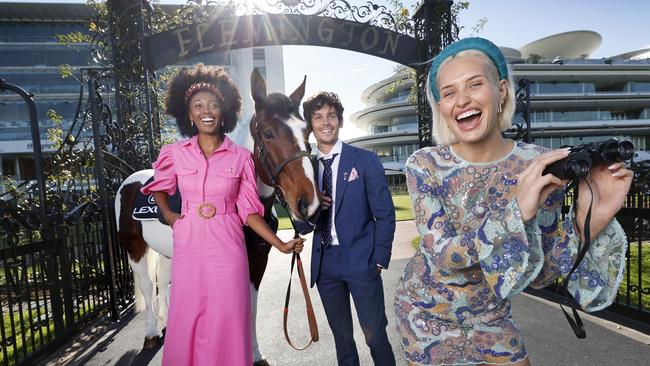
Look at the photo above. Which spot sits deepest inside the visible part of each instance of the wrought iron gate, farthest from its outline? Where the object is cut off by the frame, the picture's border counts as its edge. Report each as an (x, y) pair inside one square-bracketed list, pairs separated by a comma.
[(61, 265)]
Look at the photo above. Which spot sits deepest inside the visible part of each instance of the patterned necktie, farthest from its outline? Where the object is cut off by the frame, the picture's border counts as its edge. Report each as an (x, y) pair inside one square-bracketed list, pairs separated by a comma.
[(326, 219)]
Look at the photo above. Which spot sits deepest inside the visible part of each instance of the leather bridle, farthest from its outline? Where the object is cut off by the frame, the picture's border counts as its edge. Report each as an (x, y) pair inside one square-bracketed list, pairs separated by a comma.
[(263, 156)]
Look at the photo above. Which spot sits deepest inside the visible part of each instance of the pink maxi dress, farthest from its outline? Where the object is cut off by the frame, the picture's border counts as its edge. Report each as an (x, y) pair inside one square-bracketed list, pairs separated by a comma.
[(209, 321)]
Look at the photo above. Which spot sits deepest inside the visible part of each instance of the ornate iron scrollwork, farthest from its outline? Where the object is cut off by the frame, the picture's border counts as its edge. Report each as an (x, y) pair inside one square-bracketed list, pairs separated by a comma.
[(369, 13)]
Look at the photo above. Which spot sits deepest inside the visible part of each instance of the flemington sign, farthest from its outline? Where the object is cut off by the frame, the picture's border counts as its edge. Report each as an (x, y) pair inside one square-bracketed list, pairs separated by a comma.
[(224, 34)]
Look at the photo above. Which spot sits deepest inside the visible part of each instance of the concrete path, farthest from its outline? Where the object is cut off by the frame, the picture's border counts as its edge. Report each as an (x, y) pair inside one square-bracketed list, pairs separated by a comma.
[(549, 339)]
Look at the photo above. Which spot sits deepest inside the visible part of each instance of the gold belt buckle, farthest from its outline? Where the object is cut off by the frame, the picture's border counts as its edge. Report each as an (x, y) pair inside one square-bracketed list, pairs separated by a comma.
[(207, 210)]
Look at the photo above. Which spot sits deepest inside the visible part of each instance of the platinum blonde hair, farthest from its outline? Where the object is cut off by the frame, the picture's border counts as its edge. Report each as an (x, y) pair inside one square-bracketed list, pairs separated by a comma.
[(442, 135)]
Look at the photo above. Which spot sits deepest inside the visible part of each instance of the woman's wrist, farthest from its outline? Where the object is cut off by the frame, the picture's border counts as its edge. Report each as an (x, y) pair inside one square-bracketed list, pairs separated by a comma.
[(278, 243)]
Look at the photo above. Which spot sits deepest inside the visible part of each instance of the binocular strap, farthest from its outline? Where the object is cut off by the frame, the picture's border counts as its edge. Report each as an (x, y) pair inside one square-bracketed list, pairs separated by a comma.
[(577, 324)]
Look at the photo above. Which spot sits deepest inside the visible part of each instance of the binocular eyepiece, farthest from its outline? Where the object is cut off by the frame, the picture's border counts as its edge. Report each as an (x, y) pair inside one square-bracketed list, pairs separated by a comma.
[(584, 157)]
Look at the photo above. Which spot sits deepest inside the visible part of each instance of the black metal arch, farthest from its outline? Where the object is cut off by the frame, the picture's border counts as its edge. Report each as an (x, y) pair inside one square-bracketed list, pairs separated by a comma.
[(370, 29), (225, 34)]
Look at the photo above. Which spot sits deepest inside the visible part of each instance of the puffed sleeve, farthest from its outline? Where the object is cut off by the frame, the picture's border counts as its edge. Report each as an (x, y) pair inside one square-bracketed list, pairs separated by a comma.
[(595, 282), (499, 244), (164, 174), (248, 201)]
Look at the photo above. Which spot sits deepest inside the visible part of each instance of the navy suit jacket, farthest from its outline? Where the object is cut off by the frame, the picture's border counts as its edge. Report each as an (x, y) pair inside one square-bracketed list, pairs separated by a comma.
[(364, 217)]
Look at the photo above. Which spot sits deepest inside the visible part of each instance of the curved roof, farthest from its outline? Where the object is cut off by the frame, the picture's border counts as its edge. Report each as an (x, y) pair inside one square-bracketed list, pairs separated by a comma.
[(574, 44), (638, 54), (379, 90), (510, 52)]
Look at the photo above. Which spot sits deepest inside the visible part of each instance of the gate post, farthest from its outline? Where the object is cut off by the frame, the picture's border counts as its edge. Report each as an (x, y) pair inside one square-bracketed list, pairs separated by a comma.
[(433, 31), (525, 98), (133, 95), (102, 187)]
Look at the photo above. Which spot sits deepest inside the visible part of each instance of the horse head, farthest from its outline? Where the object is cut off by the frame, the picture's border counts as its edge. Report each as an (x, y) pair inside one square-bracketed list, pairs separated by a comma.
[(282, 150)]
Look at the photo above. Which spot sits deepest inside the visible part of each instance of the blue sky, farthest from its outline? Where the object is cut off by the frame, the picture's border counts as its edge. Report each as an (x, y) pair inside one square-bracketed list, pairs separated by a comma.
[(623, 24)]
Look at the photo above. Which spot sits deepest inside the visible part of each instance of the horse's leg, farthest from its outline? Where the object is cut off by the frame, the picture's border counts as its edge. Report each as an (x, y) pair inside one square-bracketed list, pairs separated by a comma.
[(143, 281), (164, 277)]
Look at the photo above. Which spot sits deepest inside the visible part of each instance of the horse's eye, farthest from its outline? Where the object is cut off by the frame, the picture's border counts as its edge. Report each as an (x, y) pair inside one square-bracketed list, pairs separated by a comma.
[(268, 134)]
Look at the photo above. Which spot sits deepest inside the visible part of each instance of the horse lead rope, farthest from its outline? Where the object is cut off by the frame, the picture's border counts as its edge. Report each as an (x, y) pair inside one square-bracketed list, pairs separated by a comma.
[(311, 318)]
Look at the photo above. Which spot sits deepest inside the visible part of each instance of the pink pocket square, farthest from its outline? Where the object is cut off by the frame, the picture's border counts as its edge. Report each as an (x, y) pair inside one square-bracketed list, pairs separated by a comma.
[(353, 175)]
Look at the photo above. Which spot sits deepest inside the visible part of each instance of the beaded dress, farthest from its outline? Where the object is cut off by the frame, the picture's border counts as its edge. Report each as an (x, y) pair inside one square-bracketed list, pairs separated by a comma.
[(453, 300)]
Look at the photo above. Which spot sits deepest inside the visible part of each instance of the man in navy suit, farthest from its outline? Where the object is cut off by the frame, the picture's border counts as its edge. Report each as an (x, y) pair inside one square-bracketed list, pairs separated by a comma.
[(353, 240)]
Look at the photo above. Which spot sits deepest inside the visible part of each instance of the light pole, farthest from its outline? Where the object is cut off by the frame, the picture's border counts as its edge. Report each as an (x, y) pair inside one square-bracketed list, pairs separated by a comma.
[(36, 141)]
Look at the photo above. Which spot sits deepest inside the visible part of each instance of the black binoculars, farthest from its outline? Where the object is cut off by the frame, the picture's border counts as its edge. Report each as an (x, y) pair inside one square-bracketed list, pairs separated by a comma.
[(583, 157)]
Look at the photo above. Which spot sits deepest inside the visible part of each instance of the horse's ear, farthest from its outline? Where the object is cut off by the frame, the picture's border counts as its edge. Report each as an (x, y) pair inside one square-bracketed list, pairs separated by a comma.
[(258, 89), (253, 127), (297, 94)]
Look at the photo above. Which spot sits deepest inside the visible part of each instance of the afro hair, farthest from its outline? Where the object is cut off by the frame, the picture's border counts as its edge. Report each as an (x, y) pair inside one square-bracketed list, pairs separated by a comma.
[(186, 77)]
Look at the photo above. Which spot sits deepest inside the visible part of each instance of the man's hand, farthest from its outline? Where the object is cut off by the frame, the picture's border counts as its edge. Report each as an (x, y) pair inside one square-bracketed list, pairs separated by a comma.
[(325, 202)]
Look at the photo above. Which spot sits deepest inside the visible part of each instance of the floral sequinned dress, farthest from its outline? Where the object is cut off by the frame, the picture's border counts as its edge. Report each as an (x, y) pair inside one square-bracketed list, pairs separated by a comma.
[(452, 303), (209, 321)]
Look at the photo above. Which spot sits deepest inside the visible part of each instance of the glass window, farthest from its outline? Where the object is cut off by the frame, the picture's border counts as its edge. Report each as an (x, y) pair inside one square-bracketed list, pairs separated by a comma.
[(637, 87), (559, 88), (9, 167), (39, 55), (399, 97), (545, 116), (41, 32), (560, 141)]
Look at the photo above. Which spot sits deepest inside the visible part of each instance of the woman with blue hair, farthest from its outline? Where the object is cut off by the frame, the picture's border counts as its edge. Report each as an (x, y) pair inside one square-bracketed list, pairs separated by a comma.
[(489, 221)]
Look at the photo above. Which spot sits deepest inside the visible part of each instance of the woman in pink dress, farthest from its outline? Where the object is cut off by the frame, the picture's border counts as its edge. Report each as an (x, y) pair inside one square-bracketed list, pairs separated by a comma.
[(209, 321)]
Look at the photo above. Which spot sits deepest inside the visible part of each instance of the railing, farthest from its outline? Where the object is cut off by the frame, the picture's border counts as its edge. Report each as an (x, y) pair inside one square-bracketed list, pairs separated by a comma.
[(633, 299), (49, 289)]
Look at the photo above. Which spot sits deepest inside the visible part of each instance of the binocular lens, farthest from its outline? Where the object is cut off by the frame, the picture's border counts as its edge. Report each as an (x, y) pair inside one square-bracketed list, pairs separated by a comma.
[(576, 168), (625, 150)]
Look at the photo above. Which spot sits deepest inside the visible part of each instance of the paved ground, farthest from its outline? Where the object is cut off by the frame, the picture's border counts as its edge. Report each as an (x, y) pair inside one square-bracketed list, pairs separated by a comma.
[(550, 341)]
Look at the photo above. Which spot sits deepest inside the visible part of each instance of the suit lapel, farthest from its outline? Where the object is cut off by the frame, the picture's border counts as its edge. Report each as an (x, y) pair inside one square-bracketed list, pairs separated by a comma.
[(348, 157)]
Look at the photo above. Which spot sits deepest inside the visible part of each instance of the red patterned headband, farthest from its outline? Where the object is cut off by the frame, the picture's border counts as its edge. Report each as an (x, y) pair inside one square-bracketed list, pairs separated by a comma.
[(197, 87)]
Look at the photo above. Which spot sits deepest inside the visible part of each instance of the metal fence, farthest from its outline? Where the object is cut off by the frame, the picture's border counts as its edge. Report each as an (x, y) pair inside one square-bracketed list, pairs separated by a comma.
[(633, 298), (61, 266), (50, 289)]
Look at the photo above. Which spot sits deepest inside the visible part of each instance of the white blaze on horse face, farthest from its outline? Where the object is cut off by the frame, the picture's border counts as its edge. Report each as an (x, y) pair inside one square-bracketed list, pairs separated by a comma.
[(298, 126)]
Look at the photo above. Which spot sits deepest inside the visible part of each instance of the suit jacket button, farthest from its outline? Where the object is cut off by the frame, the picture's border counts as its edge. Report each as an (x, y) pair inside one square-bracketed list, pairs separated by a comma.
[(317, 250)]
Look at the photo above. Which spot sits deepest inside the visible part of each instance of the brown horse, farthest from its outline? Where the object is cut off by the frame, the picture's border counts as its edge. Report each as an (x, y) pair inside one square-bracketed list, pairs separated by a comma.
[(281, 153)]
